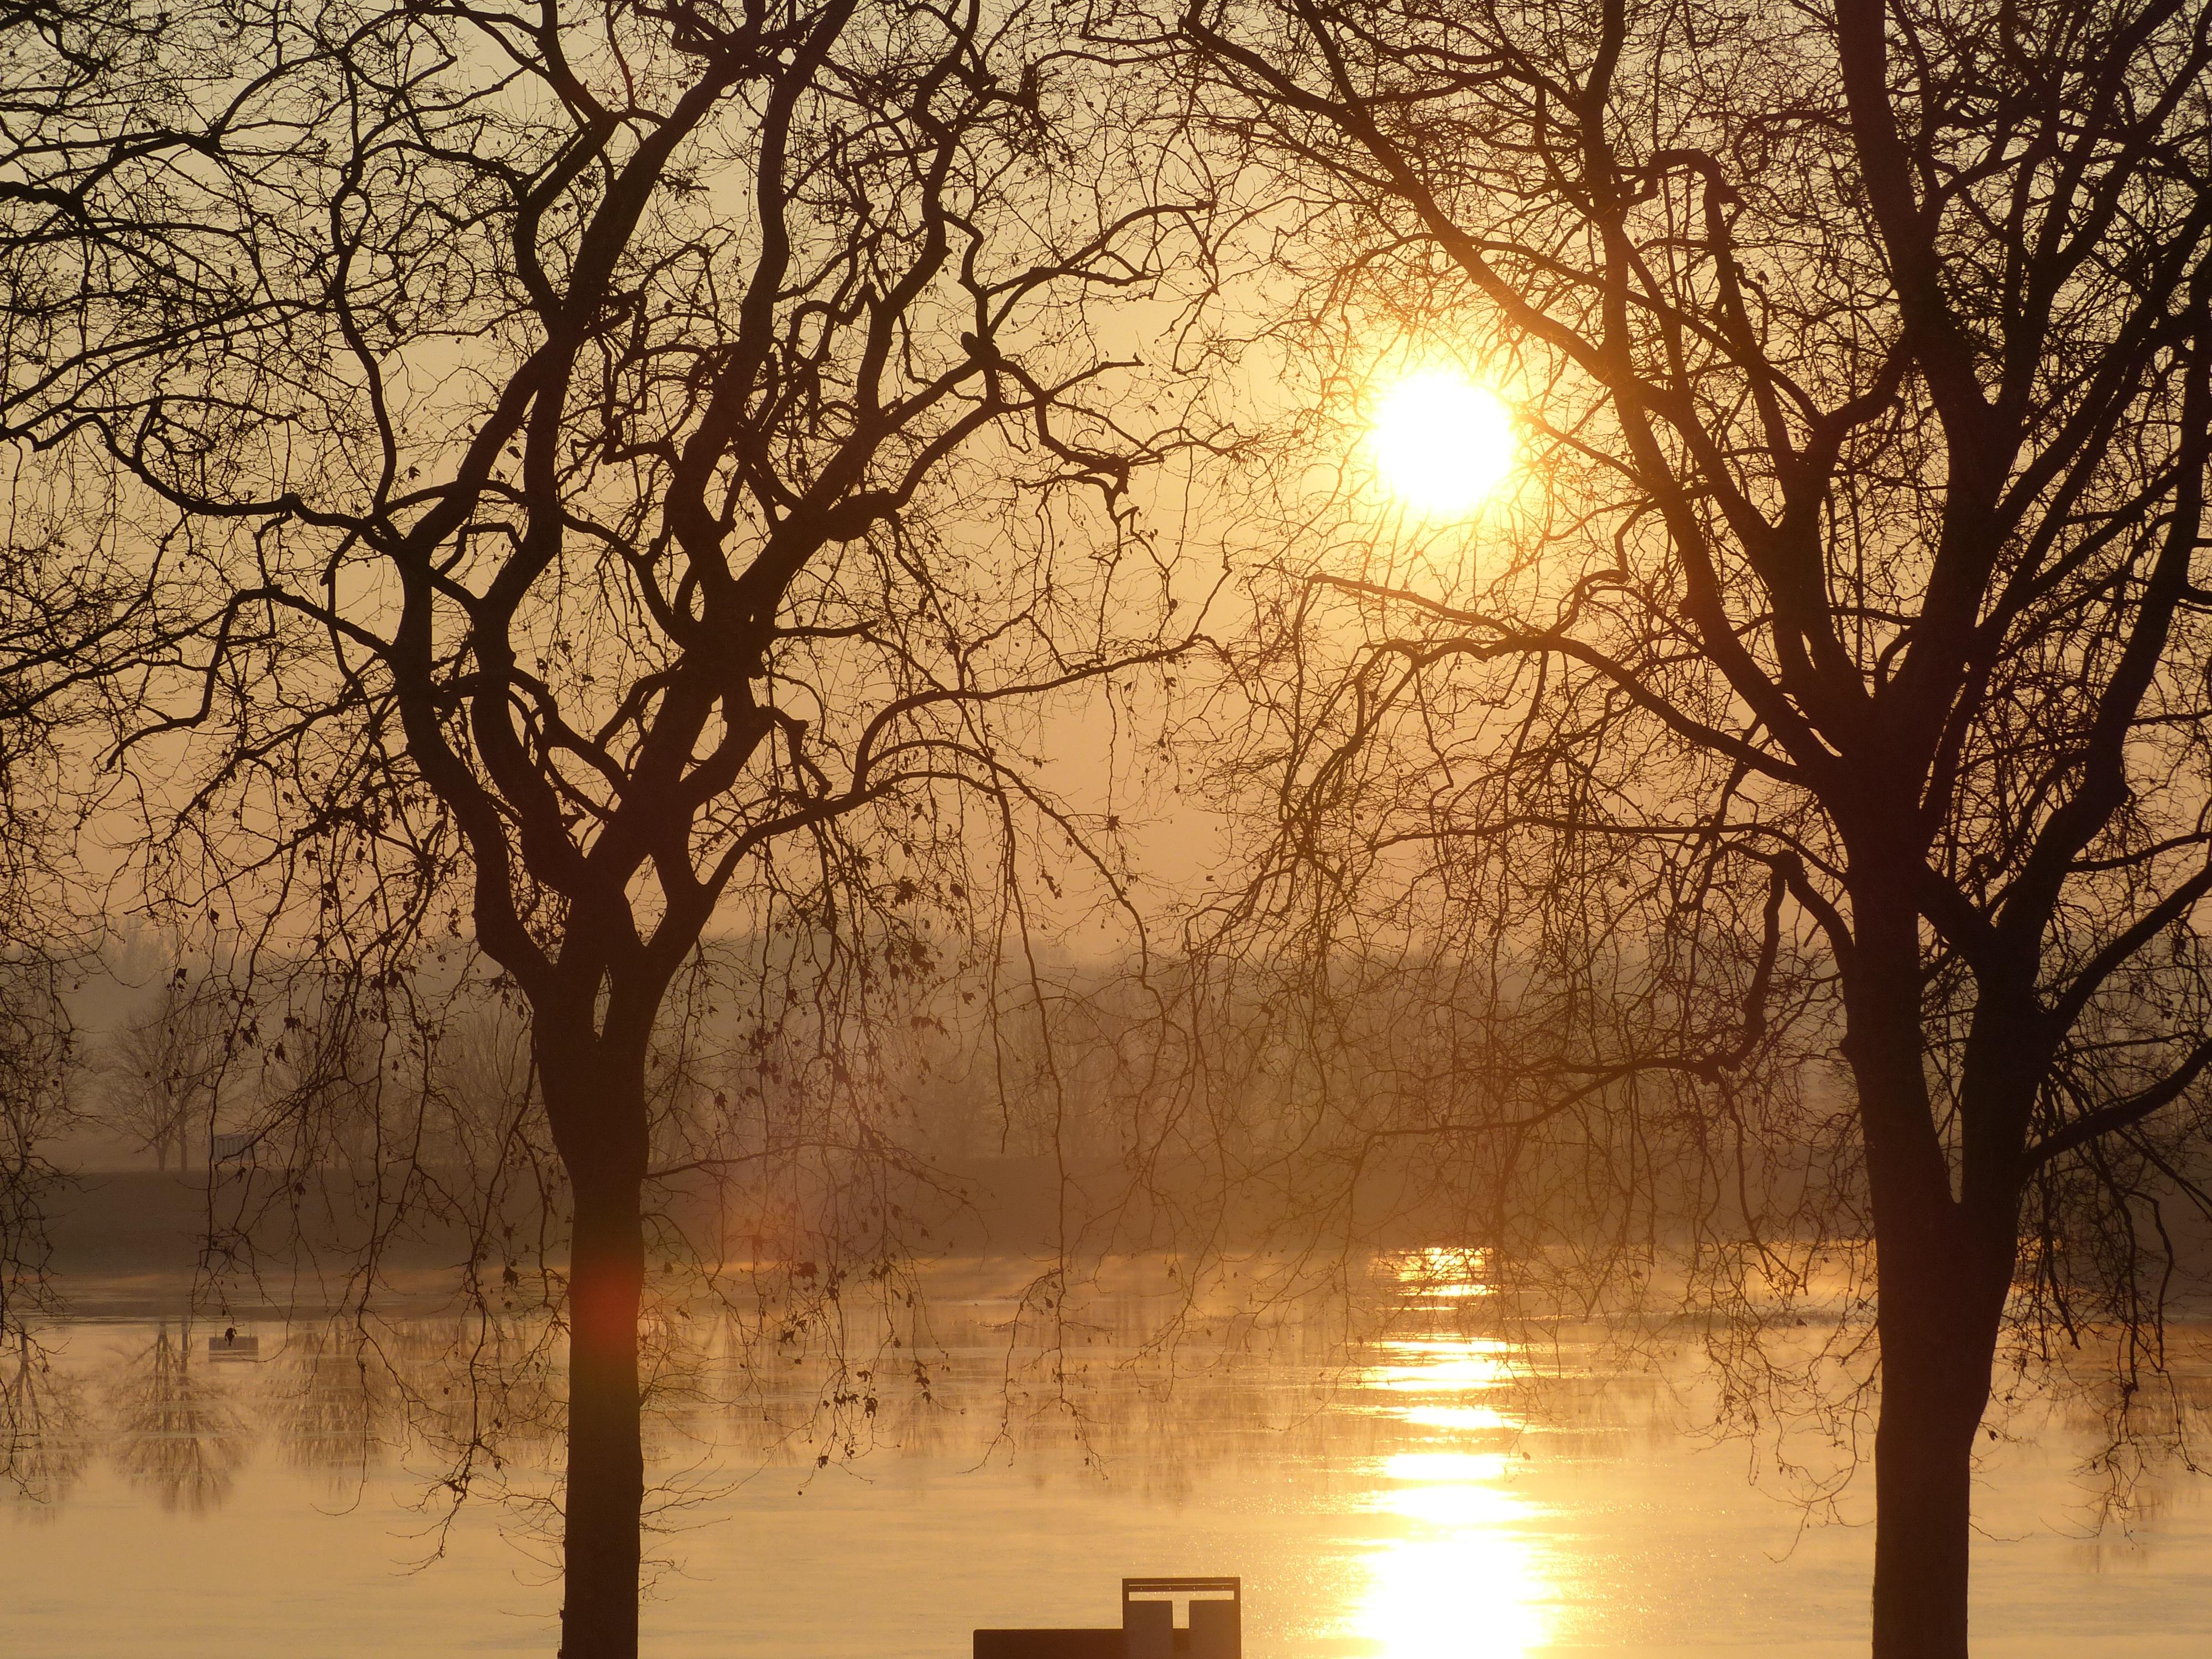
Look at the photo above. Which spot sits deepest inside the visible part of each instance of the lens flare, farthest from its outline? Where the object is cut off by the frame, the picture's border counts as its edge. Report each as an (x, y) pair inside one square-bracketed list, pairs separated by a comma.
[(1442, 442)]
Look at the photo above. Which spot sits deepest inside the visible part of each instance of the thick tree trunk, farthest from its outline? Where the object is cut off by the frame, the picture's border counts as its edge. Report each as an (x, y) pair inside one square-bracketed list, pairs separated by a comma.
[(605, 1494), (1944, 1263), (1939, 1324)]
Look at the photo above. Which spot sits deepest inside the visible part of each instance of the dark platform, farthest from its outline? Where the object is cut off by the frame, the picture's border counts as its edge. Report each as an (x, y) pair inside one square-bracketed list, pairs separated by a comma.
[(1049, 1643), (1147, 1630)]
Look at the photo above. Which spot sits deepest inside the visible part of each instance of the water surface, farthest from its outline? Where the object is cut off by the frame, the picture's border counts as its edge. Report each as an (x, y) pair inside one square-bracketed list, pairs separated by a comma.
[(1414, 1496)]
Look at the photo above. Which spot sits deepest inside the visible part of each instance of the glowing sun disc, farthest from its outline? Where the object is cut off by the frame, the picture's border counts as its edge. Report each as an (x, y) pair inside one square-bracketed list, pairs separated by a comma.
[(1442, 442)]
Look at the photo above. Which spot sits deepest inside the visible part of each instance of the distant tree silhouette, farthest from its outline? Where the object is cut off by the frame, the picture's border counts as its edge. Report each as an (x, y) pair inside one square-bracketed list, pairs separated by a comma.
[(1803, 771), (161, 1071)]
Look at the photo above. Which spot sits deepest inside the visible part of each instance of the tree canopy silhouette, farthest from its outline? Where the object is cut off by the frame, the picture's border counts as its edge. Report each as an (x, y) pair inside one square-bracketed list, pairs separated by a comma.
[(632, 464), (1831, 685)]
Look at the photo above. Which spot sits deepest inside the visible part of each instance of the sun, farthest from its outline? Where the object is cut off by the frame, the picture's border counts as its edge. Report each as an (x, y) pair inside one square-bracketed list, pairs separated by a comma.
[(1442, 442)]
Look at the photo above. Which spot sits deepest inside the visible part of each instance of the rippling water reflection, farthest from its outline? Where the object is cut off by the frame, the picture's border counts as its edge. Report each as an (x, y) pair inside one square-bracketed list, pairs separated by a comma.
[(1414, 1495), (1467, 1541)]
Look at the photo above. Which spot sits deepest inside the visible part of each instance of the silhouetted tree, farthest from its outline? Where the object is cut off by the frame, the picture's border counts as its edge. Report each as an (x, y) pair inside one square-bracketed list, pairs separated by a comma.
[(1802, 769), (645, 456)]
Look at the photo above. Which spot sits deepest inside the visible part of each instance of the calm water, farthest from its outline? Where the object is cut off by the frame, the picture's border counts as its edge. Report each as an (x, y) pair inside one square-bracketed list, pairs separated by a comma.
[(1411, 1496)]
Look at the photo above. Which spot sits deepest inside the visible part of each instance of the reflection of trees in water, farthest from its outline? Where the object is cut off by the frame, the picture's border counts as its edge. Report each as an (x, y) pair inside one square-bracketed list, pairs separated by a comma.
[(175, 1431), (976, 1371), (336, 1407), (43, 1440), (490, 1405), (974, 1375), (464, 1402), (2142, 1418), (475, 1408)]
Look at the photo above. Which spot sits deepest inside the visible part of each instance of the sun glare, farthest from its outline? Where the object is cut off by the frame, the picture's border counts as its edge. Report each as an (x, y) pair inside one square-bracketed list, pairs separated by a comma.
[(1443, 443), (1467, 1537)]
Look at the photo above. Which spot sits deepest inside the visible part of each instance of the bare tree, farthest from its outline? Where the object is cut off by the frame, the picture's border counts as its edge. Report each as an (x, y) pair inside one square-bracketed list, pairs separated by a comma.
[(648, 457), (161, 1075), (1802, 773)]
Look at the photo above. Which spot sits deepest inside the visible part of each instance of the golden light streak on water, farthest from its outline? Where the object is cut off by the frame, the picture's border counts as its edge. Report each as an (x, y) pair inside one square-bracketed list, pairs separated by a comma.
[(1462, 1369), (1458, 1416), (1466, 1576), (1466, 1580)]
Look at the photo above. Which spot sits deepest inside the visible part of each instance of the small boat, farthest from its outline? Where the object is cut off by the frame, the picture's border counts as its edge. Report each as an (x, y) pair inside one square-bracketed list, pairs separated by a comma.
[(231, 1346)]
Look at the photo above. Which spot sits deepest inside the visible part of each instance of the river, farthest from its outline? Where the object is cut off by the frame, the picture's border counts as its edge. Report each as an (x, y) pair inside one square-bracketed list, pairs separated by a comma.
[(1407, 1485)]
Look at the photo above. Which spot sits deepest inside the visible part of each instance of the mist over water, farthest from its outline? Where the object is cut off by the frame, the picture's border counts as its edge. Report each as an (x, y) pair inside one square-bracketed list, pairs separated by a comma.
[(1392, 1480)]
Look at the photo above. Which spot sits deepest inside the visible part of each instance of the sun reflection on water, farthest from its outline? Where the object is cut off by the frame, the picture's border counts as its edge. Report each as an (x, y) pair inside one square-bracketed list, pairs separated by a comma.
[(1475, 1593), (1458, 1416), (1463, 1366), (1461, 1573)]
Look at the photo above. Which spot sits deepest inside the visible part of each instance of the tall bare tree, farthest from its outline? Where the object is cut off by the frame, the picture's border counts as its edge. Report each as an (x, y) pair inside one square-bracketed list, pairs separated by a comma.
[(1831, 687), (651, 460)]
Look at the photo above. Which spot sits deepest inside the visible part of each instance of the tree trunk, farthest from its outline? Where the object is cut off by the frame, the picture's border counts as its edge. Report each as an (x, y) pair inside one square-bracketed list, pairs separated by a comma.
[(1944, 1268), (1938, 1319), (605, 1495)]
